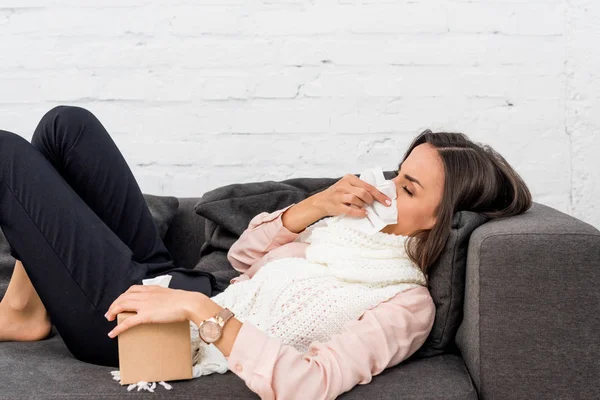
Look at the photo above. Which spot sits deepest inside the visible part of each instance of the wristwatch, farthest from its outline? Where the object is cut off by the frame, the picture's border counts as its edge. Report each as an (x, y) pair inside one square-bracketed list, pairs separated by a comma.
[(211, 329)]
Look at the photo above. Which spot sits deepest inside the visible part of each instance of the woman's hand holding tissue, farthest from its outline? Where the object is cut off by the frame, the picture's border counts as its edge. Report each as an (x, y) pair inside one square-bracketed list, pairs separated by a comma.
[(153, 304), (349, 196)]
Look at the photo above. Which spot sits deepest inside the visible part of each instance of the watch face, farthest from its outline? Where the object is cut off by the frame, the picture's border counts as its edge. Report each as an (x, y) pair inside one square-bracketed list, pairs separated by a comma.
[(210, 331)]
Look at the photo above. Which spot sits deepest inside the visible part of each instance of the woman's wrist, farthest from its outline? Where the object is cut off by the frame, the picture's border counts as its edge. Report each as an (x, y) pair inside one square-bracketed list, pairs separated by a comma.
[(201, 308), (300, 215)]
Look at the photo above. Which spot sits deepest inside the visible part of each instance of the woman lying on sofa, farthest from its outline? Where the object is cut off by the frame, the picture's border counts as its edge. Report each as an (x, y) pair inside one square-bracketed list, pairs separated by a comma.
[(319, 307)]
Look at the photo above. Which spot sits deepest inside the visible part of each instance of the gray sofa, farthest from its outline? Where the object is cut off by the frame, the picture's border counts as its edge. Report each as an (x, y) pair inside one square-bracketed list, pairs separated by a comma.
[(530, 328)]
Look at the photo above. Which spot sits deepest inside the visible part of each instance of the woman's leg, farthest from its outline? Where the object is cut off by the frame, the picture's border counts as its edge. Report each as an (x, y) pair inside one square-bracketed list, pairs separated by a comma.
[(82, 151), (23, 316), (75, 261), (87, 158), (71, 139)]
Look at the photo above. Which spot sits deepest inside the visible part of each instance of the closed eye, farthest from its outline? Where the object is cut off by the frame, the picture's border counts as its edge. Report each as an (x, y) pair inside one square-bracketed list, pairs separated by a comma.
[(407, 191)]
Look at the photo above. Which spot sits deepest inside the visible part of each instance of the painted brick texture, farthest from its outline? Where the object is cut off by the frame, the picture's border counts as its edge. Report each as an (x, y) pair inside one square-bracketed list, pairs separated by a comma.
[(199, 94)]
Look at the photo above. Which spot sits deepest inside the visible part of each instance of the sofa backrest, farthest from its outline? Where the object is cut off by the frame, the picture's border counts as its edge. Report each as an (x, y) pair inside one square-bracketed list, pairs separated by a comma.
[(186, 234)]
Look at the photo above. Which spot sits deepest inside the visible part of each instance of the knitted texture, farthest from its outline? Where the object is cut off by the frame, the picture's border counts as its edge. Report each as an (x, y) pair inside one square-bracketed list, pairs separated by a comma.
[(301, 300)]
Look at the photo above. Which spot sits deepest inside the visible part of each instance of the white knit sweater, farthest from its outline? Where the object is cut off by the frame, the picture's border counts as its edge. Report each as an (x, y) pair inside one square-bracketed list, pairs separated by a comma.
[(300, 300)]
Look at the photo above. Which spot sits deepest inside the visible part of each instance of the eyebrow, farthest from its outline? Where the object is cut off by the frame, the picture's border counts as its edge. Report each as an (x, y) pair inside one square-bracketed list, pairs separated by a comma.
[(411, 178)]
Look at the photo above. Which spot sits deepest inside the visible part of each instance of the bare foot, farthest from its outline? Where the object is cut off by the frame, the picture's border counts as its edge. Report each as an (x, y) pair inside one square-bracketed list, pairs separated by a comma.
[(25, 326)]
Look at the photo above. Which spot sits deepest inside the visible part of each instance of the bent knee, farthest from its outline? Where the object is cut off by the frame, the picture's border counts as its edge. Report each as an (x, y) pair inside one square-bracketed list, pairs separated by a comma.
[(60, 122), (68, 114)]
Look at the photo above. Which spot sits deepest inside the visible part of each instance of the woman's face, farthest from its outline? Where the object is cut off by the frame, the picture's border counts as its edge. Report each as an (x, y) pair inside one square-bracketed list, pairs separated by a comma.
[(416, 211)]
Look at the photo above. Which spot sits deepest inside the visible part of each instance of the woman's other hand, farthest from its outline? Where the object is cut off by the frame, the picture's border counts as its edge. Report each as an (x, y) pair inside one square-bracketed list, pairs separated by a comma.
[(349, 196), (153, 304)]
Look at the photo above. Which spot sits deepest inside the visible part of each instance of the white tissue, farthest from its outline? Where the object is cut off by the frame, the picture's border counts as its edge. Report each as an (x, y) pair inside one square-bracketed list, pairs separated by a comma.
[(379, 215), (162, 280)]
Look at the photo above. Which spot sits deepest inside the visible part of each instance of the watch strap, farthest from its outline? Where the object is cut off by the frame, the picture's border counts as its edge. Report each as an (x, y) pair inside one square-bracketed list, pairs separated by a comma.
[(223, 316)]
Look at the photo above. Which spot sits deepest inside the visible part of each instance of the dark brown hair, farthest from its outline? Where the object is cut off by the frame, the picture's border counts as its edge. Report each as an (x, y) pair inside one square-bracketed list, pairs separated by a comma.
[(477, 178)]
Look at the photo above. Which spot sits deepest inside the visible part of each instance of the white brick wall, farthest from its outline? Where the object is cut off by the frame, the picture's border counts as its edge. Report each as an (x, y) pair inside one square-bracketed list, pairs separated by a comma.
[(199, 94)]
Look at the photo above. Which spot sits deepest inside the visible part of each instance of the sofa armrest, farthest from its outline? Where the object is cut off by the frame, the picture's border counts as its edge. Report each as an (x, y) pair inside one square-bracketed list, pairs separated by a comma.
[(531, 317)]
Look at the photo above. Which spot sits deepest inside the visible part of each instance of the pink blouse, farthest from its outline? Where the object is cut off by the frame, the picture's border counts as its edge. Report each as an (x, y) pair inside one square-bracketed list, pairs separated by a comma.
[(382, 337)]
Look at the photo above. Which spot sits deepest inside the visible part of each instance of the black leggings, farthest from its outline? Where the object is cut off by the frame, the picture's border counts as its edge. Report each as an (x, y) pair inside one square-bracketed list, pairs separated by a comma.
[(74, 215)]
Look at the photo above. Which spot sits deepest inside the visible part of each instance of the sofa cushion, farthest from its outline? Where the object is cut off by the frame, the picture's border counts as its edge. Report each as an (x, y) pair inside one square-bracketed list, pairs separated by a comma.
[(447, 284), (186, 234), (163, 210), (229, 209), (46, 370)]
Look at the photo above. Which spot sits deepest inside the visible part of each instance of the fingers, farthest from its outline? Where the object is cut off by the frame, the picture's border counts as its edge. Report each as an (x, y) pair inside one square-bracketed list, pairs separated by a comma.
[(126, 324), (354, 211), (372, 191), (353, 199), (133, 293), (123, 303), (137, 288)]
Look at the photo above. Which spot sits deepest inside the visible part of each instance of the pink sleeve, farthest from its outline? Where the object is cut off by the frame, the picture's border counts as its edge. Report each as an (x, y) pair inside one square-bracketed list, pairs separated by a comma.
[(265, 232), (382, 337), (291, 249)]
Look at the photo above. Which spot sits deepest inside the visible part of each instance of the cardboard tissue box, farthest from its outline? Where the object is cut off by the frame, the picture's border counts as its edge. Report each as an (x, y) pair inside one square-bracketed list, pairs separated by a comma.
[(154, 352)]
